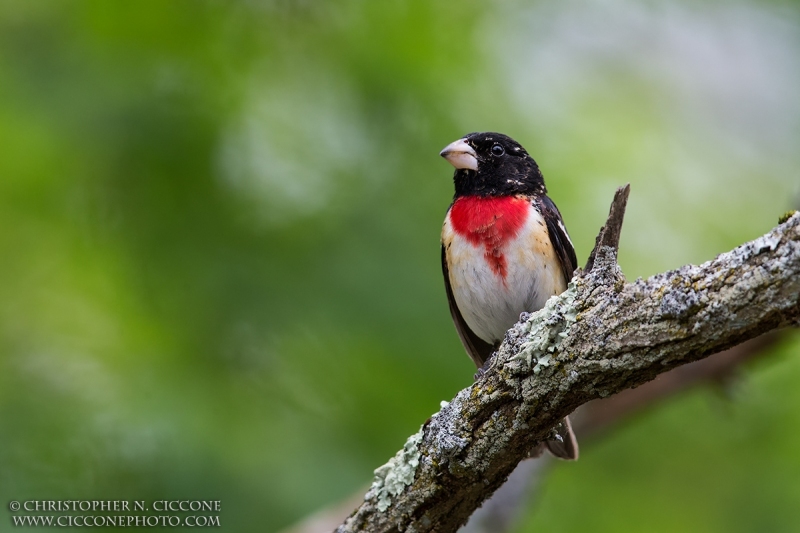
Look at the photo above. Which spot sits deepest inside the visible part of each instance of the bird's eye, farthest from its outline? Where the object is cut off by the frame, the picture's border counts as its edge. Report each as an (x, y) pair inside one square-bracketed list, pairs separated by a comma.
[(498, 150)]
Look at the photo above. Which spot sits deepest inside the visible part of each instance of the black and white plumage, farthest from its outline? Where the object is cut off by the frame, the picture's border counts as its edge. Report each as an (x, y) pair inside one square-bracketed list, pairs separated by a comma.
[(505, 249)]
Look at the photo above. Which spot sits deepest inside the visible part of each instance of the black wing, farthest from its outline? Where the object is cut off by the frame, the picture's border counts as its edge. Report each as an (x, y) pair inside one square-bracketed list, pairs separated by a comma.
[(478, 349), (565, 446), (558, 235)]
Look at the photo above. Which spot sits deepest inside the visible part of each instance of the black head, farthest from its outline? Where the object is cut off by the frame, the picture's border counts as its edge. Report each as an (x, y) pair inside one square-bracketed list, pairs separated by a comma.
[(492, 164)]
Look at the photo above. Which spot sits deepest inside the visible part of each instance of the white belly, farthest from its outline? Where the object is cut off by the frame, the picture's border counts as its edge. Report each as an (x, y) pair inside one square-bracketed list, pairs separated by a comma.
[(489, 302)]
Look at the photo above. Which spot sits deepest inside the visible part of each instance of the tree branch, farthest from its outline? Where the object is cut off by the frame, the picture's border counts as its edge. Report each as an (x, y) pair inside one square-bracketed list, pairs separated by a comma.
[(600, 415), (501, 512), (610, 232), (599, 337)]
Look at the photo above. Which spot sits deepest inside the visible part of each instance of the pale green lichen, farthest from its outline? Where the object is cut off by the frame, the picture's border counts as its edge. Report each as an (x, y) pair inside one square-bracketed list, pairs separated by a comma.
[(542, 362), (546, 329), (393, 477)]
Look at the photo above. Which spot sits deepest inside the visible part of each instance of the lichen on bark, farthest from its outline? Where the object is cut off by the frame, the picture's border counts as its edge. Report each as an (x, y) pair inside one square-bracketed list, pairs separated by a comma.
[(396, 474), (623, 335)]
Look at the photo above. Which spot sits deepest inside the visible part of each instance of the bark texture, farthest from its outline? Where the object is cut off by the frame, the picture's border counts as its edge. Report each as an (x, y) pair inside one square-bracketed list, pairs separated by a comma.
[(601, 336), (502, 511), (595, 419)]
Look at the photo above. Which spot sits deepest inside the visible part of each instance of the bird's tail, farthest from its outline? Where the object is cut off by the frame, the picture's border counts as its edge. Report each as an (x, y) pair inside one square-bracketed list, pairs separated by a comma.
[(563, 445)]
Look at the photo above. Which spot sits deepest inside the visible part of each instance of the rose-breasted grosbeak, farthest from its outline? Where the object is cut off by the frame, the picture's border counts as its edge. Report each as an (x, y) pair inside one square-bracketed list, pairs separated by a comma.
[(505, 249)]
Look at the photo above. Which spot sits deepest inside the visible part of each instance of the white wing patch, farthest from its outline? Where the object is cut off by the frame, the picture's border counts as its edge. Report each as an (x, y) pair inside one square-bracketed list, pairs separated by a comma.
[(561, 225)]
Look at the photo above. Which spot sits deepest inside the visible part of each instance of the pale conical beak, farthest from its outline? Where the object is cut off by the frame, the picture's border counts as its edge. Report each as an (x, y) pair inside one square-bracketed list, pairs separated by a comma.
[(460, 155)]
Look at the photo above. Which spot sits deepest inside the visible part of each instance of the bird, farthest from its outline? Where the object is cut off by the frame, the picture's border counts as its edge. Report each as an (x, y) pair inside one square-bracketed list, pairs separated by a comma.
[(505, 250)]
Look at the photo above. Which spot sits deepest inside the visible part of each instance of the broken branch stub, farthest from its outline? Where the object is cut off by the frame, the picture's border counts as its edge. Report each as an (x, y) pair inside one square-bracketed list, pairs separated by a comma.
[(608, 238)]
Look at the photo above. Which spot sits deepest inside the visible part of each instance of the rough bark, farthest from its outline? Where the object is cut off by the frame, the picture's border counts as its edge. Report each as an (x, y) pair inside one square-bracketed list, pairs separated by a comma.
[(502, 511), (601, 336)]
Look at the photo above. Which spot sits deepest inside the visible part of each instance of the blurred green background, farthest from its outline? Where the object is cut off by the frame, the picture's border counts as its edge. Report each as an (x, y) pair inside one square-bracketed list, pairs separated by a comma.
[(219, 224)]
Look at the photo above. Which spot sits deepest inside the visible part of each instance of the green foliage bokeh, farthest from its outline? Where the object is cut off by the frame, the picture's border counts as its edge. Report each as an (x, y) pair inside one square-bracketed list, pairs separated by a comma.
[(219, 229)]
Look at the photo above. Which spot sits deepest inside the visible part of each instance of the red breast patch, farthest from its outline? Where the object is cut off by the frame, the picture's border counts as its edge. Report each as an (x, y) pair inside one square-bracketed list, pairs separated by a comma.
[(490, 222)]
